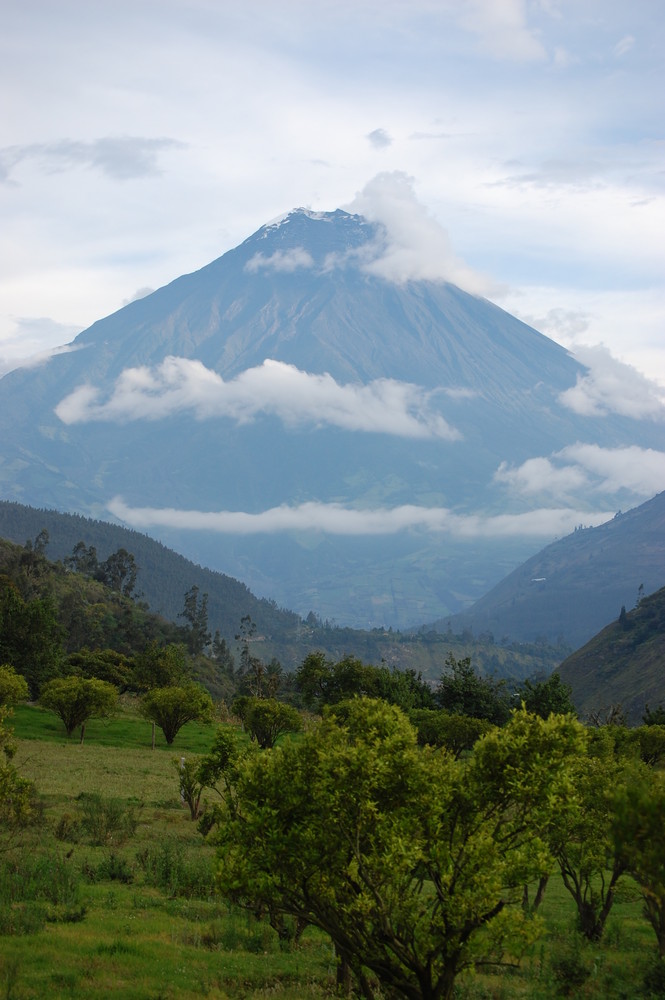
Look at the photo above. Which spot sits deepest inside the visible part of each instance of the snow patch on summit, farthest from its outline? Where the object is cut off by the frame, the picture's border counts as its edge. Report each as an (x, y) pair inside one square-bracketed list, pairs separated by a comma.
[(286, 217)]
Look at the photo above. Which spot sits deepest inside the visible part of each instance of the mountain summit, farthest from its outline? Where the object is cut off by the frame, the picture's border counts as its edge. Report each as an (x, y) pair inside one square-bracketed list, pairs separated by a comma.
[(305, 414)]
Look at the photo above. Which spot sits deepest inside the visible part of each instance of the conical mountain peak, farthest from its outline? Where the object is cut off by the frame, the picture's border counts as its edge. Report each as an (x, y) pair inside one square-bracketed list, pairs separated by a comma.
[(298, 415)]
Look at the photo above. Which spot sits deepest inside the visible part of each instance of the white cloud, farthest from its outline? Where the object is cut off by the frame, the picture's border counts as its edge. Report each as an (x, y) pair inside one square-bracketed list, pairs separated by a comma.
[(36, 360), (119, 157), (335, 519), (379, 138), (501, 26), (140, 293), (583, 469), (563, 325), (415, 246), (541, 476), (281, 260), (384, 406), (32, 341), (628, 323), (641, 470), (610, 386)]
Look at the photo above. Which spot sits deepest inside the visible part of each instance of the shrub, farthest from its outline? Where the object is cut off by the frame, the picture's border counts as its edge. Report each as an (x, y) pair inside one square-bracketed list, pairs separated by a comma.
[(167, 867), (112, 868), (67, 828), (106, 821)]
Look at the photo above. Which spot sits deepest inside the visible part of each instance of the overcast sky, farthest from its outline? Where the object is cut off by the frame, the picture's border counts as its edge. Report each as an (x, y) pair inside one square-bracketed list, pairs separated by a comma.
[(140, 140)]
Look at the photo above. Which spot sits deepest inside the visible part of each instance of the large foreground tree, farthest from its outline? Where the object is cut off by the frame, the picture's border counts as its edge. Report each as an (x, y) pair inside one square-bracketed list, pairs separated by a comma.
[(412, 861)]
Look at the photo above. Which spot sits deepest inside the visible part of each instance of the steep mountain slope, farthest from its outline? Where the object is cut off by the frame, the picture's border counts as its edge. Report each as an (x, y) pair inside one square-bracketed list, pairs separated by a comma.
[(623, 664), (577, 585), (339, 441), (164, 576)]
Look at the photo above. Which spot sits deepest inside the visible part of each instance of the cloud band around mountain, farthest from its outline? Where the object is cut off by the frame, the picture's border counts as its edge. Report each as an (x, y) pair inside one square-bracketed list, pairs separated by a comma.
[(180, 385), (586, 468), (335, 519)]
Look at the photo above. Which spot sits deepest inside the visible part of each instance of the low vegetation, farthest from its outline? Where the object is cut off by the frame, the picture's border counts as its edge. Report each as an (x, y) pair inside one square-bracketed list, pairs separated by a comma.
[(112, 889), (339, 828)]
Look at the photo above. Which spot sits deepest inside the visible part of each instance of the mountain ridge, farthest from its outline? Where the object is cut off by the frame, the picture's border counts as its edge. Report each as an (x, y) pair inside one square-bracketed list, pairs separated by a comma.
[(578, 584), (363, 448)]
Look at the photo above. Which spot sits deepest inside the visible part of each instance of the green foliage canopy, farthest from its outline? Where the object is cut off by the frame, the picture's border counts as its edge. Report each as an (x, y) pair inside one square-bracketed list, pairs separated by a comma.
[(639, 840), (173, 707), (546, 696), (581, 837), (30, 637), (160, 666), (16, 793), (409, 859), (266, 719), (462, 691), (77, 699), (323, 682), (195, 612), (438, 728), (13, 687), (104, 664)]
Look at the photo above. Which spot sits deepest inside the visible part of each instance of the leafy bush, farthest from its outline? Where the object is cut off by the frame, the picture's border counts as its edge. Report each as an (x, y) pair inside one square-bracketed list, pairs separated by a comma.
[(167, 867), (112, 868), (67, 828), (106, 821), (570, 972)]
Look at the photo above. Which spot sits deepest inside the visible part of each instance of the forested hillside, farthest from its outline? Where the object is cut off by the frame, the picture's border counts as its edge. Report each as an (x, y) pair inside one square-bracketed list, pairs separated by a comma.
[(624, 665), (163, 577), (56, 621)]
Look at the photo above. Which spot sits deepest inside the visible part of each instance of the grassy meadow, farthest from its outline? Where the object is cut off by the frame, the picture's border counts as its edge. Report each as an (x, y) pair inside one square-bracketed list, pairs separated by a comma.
[(112, 894)]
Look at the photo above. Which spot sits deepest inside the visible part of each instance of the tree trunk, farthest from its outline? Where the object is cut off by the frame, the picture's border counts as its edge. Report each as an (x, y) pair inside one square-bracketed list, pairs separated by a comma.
[(540, 891), (343, 977)]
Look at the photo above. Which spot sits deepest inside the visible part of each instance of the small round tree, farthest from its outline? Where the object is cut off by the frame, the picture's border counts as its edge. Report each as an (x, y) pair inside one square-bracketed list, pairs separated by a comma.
[(266, 719), (77, 699), (172, 707)]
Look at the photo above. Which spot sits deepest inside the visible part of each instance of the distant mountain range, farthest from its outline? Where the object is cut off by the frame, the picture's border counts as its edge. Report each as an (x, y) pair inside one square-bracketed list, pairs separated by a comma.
[(376, 451), (577, 585)]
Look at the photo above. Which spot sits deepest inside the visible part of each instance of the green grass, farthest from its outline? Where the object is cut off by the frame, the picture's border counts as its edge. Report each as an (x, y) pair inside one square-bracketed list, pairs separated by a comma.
[(138, 944), (143, 921), (126, 729), (135, 917)]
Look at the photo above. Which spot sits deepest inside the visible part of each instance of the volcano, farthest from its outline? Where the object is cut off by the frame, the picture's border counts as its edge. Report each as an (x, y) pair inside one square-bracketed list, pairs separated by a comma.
[(377, 449)]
